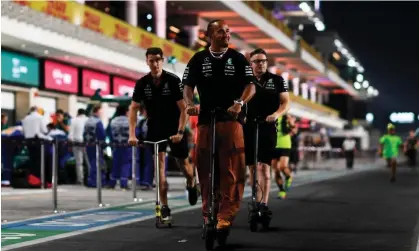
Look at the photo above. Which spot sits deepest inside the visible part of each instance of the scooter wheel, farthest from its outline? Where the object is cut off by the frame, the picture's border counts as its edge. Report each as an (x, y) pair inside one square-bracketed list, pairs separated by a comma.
[(210, 236), (222, 237), (253, 223), (265, 223)]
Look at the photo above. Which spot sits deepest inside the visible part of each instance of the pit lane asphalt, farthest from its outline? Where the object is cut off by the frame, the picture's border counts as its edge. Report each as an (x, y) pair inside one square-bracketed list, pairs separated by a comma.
[(362, 212)]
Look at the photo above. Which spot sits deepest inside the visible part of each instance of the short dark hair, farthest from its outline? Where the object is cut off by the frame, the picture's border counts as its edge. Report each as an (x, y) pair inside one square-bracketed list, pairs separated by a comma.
[(258, 51), (154, 51), (121, 110), (59, 111), (96, 108), (210, 27), (51, 126), (33, 109), (3, 115), (81, 111)]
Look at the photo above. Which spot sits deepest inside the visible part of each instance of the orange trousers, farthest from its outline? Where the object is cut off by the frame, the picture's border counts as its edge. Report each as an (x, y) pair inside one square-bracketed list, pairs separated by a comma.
[(230, 163)]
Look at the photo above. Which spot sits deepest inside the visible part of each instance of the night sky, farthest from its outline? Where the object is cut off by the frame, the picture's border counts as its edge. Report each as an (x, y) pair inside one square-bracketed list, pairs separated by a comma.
[(384, 37)]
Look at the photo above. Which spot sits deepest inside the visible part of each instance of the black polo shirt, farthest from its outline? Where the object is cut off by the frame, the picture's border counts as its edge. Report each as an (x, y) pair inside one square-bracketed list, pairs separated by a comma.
[(160, 100), (219, 81), (266, 100)]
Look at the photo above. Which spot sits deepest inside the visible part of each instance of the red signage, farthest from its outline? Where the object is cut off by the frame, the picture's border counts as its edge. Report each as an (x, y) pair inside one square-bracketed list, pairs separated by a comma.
[(93, 80), (122, 86), (61, 77)]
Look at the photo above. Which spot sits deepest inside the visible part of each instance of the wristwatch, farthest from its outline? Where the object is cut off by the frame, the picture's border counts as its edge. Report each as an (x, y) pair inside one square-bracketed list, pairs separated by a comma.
[(239, 101), (180, 132)]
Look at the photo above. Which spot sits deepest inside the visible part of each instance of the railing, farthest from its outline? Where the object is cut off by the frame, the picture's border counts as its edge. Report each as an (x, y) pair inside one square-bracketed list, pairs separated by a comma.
[(333, 68), (50, 152), (258, 8), (328, 158), (311, 50), (315, 106), (89, 18)]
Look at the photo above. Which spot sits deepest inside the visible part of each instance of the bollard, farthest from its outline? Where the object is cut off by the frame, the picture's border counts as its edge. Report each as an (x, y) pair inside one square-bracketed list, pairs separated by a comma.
[(134, 175), (43, 186), (98, 176), (55, 175)]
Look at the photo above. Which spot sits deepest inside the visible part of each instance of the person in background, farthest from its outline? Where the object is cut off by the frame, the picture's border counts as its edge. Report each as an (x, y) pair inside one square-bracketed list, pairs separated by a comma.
[(61, 122), (294, 154), (280, 162), (146, 165), (76, 135), (122, 155), (390, 145), (93, 132), (53, 131), (34, 128), (349, 148), (4, 120), (410, 146)]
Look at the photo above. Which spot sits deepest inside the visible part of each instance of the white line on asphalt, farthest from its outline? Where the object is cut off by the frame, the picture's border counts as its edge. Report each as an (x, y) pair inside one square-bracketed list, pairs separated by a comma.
[(94, 229), (14, 192)]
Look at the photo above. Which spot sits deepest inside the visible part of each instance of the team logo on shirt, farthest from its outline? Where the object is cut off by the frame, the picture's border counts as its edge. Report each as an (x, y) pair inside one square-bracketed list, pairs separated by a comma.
[(165, 91), (270, 84), (229, 69), (147, 92), (206, 68)]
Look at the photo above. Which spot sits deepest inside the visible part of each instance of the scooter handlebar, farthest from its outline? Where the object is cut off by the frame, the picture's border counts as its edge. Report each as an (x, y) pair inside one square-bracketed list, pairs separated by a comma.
[(153, 142), (257, 120)]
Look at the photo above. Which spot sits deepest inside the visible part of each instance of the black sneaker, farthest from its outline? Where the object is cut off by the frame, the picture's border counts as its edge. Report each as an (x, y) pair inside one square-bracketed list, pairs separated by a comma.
[(165, 213), (192, 195)]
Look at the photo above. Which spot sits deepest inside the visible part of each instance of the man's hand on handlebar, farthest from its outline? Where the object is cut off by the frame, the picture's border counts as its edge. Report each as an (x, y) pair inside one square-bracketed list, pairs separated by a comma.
[(272, 118), (133, 141), (234, 110), (192, 110), (176, 138)]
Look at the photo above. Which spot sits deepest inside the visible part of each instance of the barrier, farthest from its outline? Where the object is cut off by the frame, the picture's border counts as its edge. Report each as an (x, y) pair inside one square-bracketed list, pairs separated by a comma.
[(312, 155), (54, 176), (55, 144)]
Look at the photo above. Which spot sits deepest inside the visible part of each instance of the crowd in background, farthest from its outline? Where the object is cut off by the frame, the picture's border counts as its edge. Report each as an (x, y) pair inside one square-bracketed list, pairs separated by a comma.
[(61, 125), (74, 161)]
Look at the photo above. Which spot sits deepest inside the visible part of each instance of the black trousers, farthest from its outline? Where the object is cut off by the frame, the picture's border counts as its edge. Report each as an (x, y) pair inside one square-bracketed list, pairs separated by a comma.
[(411, 155), (349, 156)]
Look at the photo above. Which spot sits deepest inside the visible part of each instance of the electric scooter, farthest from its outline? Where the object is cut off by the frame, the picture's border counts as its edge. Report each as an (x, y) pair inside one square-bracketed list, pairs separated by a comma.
[(159, 219), (256, 216), (210, 233)]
